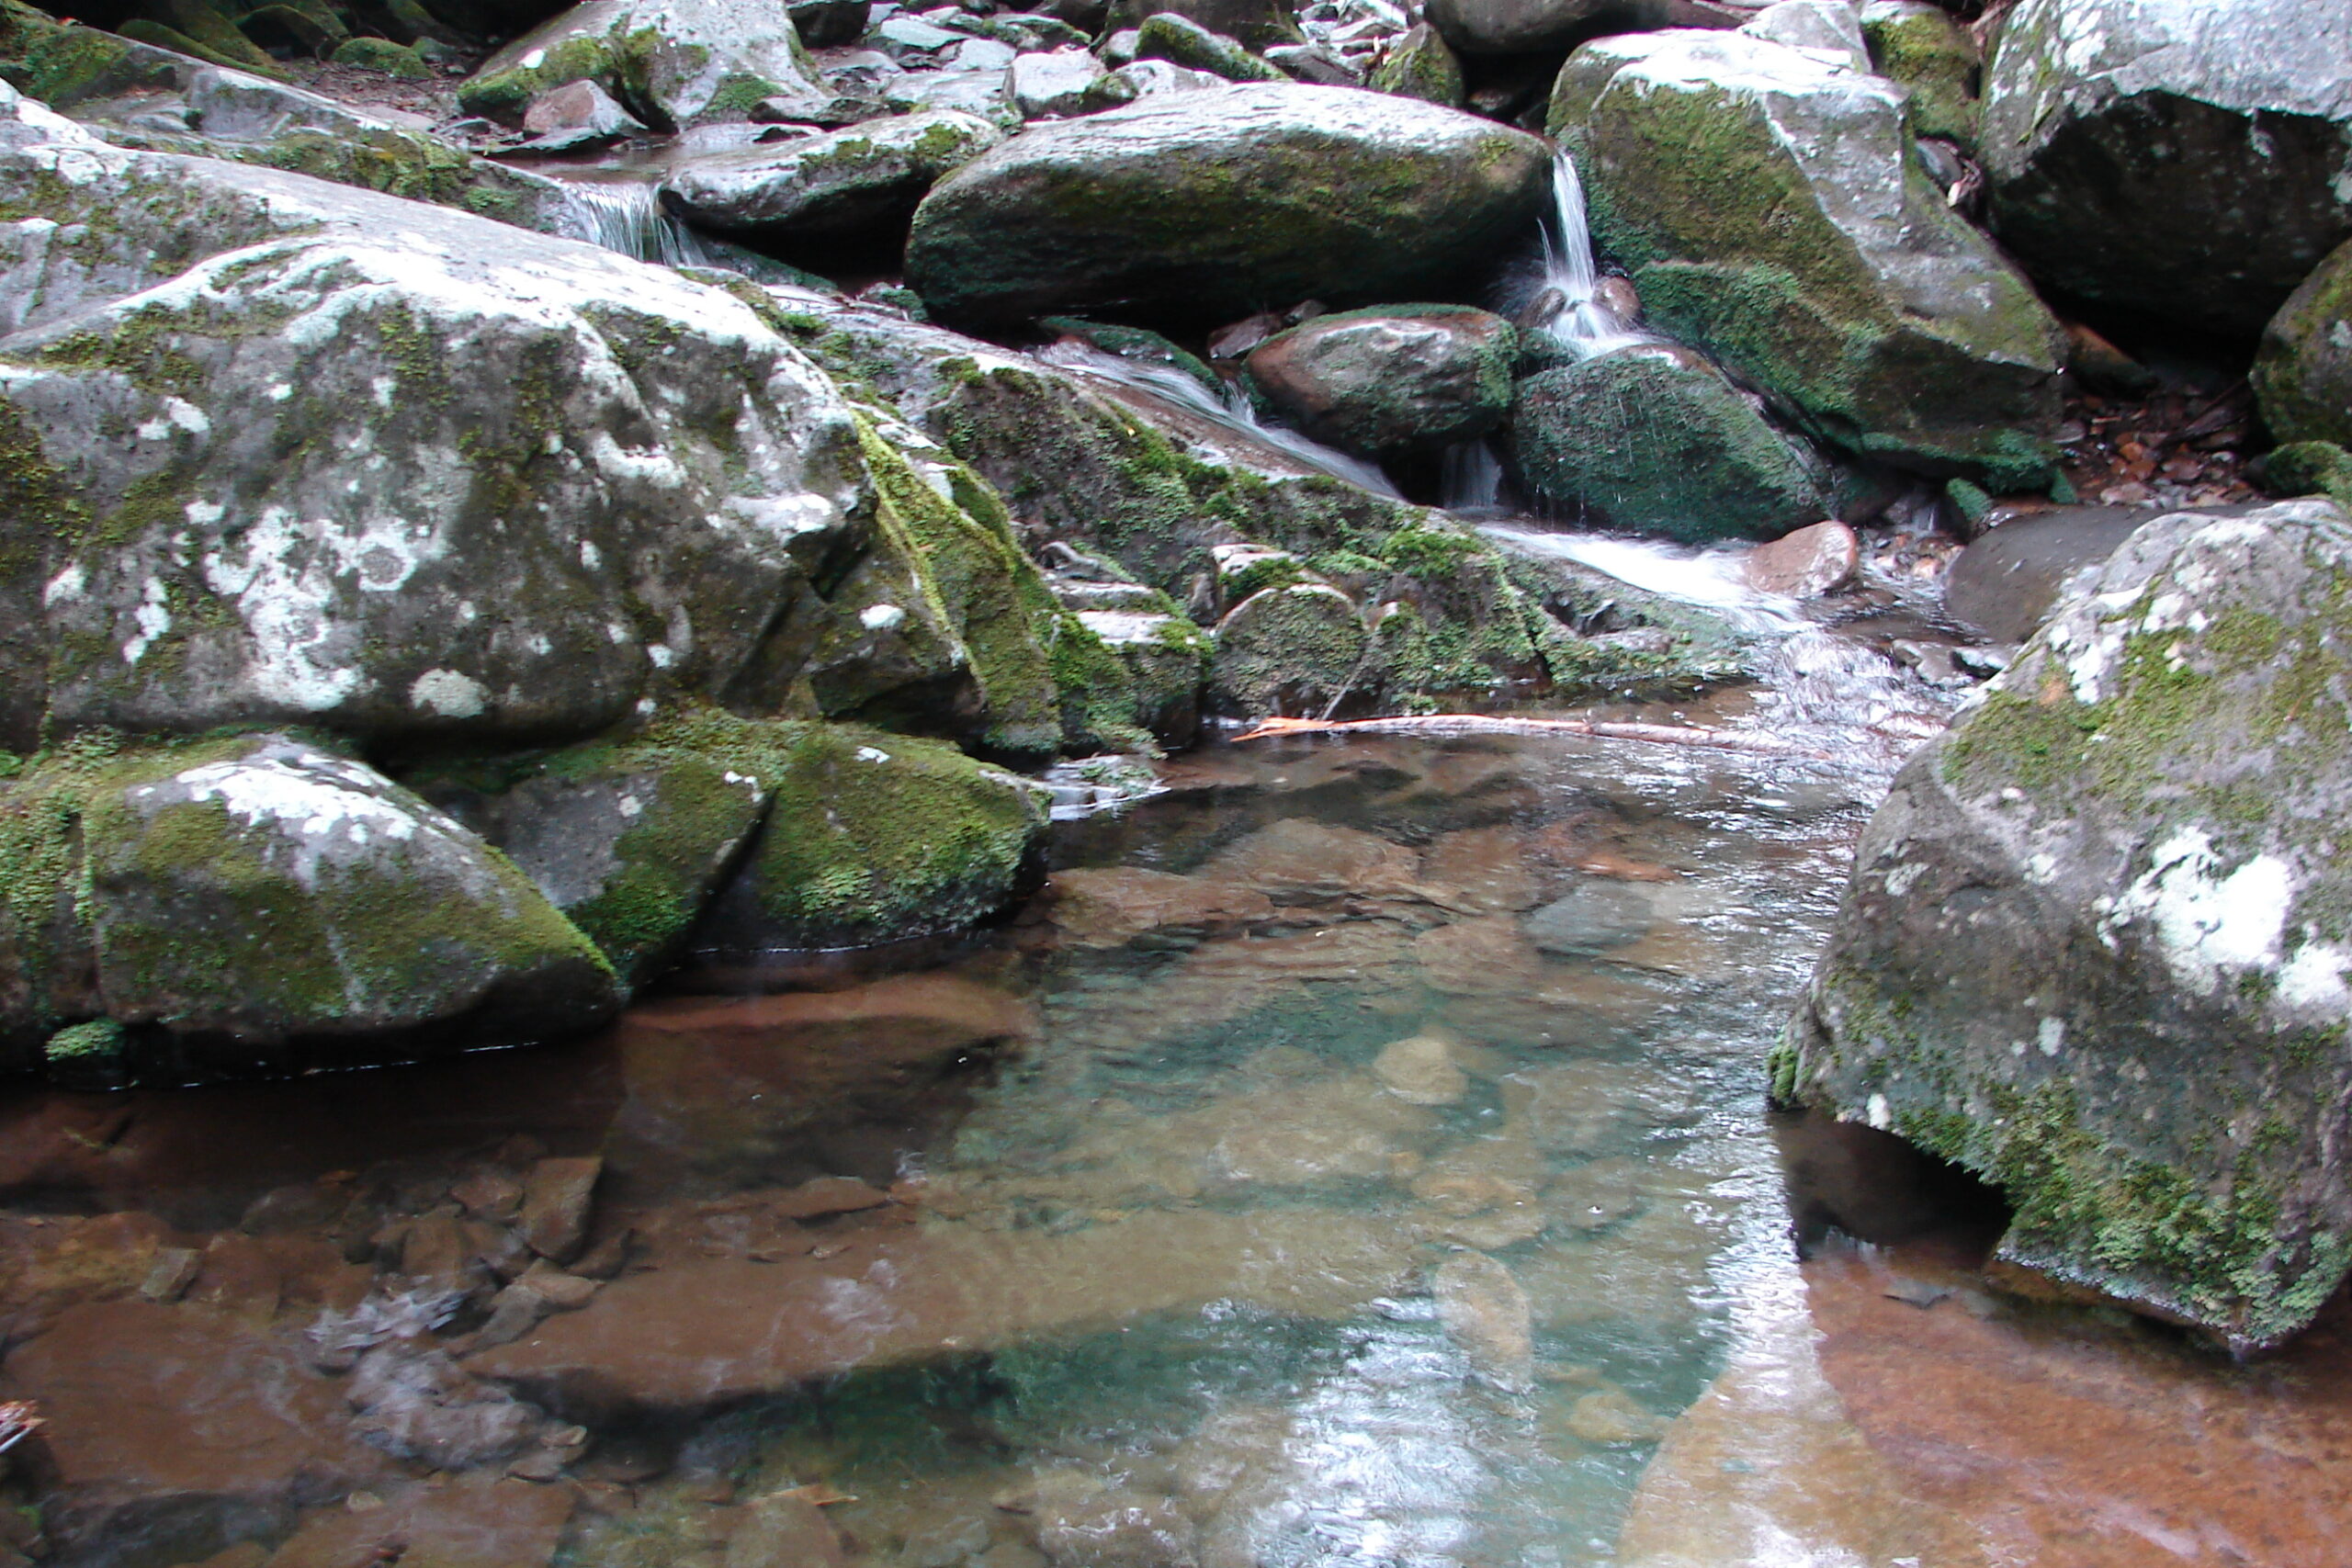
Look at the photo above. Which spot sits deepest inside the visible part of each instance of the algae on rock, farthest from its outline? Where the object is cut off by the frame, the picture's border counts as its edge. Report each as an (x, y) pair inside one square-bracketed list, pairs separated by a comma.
[(2097, 945)]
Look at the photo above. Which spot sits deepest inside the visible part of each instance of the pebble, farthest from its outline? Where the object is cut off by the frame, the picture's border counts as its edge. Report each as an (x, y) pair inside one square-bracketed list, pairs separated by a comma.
[(1420, 1071)]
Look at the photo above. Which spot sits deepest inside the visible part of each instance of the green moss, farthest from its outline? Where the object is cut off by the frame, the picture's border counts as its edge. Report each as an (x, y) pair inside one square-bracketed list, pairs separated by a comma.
[(503, 97), (384, 55)]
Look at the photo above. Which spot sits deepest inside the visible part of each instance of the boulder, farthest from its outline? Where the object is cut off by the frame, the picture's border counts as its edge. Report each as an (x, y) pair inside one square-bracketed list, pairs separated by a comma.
[(671, 62), (1420, 65), (1182, 42), (2302, 375), (477, 483), (862, 181), (2007, 581), (1922, 46), (1654, 440), (1066, 82), (2184, 161), (871, 837), (1515, 26), (1828, 28), (628, 840), (1207, 204), (1299, 649), (2092, 949), (1816, 559), (263, 902), (1768, 205), (1256, 23), (1393, 378)]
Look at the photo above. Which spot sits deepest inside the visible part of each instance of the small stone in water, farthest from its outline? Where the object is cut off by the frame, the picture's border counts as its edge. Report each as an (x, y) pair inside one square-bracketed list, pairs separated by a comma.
[(1807, 563), (555, 1205), (1485, 1312), (945, 1546), (1420, 1071), (830, 1195), (174, 1269), (1610, 1418)]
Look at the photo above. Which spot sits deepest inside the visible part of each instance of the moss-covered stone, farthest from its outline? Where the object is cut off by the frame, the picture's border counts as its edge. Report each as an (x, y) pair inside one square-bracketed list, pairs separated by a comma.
[(1301, 649), (1770, 211), (1655, 441), (862, 182), (1207, 204), (2098, 942), (1183, 42), (870, 836), (2302, 376), (1420, 64), (384, 55), (1923, 47), (678, 62)]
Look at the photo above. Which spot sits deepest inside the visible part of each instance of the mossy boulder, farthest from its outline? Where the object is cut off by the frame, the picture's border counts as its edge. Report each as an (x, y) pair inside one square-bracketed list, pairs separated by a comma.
[(384, 55), (1420, 64), (870, 836), (1923, 46), (1209, 204), (2097, 941), (1257, 24), (1182, 42), (1653, 440), (2184, 161), (130, 92), (2302, 376), (1299, 649), (1398, 377), (629, 839), (1769, 207), (858, 184), (263, 904), (672, 63)]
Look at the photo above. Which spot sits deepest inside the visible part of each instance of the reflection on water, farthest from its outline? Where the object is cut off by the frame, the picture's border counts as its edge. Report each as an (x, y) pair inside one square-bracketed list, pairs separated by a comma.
[(1357, 1158)]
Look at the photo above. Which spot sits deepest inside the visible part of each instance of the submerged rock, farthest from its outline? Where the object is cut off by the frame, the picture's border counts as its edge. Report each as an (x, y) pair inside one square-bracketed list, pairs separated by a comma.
[(2185, 162), (2091, 952), (1767, 204), (678, 62), (862, 182), (1391, 379), (2303, 377), (1210, 203), (1654, 440)]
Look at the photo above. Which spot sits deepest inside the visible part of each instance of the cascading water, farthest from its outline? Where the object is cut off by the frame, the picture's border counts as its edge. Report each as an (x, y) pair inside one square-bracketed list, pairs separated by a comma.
[(1585, 319), (1230, 412), (626, 215)]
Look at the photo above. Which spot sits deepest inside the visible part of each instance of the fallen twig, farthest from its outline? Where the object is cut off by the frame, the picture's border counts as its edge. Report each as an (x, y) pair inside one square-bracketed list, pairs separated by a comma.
[(1488, 724)]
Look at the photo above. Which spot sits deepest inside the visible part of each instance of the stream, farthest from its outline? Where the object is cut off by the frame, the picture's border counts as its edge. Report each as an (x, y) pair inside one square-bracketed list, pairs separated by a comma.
[(1358, 1156)]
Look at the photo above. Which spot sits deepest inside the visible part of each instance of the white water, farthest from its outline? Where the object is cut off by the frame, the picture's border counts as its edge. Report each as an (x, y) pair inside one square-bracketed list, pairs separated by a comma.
[(1584, 322), (627, 216), (1230, 412), (1713, 580)]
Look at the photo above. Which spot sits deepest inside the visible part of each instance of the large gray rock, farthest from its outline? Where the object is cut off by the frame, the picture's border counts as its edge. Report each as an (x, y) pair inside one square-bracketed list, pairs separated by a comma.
[(263, 902), (2006, 582), (1927, 49), (1767, 203), (2184, 161), (1209, 204), (1654, 440), (2094, 948), (670, 62), (864, 181), (399, 472), (2302, 375), (1391, 379)]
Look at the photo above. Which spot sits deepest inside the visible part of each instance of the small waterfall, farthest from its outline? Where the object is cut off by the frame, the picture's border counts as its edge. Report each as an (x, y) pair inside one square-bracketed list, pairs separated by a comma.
[(625, 216), (1471, 478), (1230, 412), (1712, 580), (1585, 319)]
